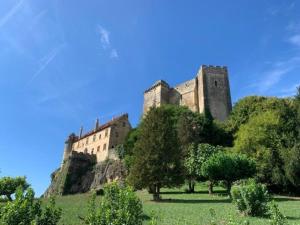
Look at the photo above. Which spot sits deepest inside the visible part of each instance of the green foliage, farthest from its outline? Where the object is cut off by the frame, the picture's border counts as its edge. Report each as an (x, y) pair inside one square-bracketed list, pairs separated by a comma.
[(119, 206), (50, 215), (228, 168), (156, 156), (193, 128), (263, 138), (292, 165), (120, 151), (9, 185), (277, 218), (25, 210), (251, 198), (197, 155)]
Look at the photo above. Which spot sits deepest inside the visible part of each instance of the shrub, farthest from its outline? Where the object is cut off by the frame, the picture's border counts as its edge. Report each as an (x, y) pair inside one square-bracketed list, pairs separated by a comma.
[(119, 206), (251, 198), (25, 210), (277, 218)]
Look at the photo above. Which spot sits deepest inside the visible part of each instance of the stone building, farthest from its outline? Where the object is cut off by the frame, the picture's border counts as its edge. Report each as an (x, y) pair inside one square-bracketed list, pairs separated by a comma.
[(100, 141), (209, 90)]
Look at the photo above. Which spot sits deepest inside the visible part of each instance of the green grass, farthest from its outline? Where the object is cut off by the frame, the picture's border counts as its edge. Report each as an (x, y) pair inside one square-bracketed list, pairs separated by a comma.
[(179, 208)]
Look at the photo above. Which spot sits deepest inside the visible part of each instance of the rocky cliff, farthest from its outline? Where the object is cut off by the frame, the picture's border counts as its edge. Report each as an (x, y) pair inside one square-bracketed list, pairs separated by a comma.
[(79, 173)]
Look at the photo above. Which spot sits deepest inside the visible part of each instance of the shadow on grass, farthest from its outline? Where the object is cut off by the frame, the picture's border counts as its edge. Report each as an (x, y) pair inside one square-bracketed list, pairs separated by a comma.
[(285, 199), (196, 192), (194, 201)]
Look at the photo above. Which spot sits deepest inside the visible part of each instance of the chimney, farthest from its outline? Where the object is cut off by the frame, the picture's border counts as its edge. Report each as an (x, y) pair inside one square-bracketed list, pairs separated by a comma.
[(97, 124), (80, 133)]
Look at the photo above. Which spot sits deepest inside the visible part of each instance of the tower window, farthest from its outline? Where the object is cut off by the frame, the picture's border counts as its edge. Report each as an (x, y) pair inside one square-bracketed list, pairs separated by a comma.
[(216, 83)]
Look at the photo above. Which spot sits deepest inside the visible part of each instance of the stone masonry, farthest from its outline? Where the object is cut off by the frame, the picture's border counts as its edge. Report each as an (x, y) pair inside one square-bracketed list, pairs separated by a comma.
[(209, 90)]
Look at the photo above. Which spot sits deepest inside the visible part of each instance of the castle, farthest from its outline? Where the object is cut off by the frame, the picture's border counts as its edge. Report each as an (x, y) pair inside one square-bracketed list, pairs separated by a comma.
[(85, 166), (101, 141), (209, 90)]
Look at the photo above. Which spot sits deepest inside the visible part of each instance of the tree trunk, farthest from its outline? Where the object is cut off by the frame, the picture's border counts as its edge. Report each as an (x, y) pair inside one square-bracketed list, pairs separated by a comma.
[(156, 195), (228, 187), (191, 183), (210, 187)]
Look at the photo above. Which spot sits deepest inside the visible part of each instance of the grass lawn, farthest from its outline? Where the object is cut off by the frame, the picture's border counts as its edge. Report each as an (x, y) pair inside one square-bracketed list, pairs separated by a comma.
[(179, 208)]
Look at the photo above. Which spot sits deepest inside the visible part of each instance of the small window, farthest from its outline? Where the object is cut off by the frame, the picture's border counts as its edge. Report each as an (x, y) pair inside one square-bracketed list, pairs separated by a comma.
[(104, 147), (85, 150), (112, 146), (216, 83), (98, 148), (117, 134), (87, 141), (92, 151), (106, 132), (94, 137), (124, 124), (99, 136), (78, 144)]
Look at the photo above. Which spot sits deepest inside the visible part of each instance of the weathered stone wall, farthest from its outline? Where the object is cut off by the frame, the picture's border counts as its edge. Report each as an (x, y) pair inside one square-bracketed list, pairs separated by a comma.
[(217, 91), (188, 94), (208, 90)]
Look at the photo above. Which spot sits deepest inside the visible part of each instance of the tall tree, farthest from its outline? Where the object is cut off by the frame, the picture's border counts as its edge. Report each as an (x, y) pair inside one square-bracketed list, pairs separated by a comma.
[(156, 155)]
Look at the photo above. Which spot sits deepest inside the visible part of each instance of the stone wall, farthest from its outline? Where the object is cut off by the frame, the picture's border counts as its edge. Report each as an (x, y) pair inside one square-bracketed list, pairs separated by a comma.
[(208, 90)]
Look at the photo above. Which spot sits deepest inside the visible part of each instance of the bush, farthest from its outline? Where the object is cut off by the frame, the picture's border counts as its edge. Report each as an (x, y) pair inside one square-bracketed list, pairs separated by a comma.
[(251, 198), (277, 218), (25, 210), (119, 206)]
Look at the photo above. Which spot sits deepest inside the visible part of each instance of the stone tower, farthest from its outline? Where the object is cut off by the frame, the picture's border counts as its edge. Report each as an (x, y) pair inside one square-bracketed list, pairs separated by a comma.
[(214, 91), (209, 90)]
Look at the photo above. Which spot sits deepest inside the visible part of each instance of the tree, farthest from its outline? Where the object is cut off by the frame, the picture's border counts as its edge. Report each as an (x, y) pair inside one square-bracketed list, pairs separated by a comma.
[(197, 155), (156, 155), (26, 210), (9, 185), (292, 165), (228, 168)]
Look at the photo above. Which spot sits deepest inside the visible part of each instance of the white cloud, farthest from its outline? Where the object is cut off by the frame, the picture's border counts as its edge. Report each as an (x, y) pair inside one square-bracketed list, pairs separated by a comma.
[(106, 43), (11, 13), (276, 73), (104, 37), (295, 40), (114, 54)]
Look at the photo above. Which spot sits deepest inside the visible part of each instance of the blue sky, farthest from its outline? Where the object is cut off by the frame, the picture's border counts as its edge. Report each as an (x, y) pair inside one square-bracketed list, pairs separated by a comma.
[(64, 63)]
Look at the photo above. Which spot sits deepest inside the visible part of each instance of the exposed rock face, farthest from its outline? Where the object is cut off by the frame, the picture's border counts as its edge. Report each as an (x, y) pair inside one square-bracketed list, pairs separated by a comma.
[(80, 174)]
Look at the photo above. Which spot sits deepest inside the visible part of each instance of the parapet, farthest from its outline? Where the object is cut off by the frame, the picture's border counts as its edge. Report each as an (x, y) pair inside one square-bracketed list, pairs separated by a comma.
[(214, 68), (158, 83)]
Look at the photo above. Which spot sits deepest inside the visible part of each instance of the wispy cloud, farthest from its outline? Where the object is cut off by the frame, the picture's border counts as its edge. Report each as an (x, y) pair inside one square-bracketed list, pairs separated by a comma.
[(45, 61), (276, 73), (295, 40), (11, 13), (104, 37), (114, 54), (106, 43)]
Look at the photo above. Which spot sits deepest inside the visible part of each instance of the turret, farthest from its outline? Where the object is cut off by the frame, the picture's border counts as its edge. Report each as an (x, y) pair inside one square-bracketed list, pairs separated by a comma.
[(68, 147)]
